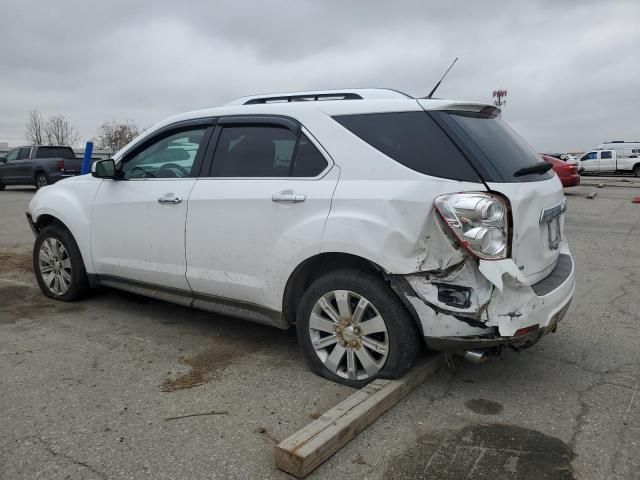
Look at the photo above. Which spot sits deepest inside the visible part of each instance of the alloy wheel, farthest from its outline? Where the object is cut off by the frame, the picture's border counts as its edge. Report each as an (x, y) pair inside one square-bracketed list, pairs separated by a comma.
[(42, 181), (55, 266), (349, 335)]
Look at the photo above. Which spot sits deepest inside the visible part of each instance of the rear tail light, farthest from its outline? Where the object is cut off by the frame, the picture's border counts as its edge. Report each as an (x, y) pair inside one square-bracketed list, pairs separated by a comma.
[(60, 165), (477, 221)]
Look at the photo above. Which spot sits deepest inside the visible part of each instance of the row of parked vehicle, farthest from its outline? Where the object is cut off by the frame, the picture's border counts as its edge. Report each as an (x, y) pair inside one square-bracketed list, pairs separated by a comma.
[(617, 156)]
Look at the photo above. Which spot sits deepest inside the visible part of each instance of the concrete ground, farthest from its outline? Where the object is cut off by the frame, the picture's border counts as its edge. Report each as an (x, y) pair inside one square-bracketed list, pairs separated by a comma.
[(119, 386)]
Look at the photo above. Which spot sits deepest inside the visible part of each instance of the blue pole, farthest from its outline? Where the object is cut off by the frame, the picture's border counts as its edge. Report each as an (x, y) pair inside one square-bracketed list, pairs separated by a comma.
[(86, 161)]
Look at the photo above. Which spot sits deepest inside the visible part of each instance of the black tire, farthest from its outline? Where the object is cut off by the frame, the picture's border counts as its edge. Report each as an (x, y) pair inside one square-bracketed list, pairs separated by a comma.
[(41, 180), (403, 335), (636, 170), (78, 285)]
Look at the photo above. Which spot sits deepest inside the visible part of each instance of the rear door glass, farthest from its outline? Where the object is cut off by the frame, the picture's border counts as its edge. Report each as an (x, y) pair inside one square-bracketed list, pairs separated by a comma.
[(414, 140), (55, 152), (254, 151), (498, 149), (309, 162)]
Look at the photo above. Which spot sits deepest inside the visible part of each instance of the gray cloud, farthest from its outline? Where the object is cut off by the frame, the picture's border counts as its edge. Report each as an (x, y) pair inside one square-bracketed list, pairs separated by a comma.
[(571, 68)]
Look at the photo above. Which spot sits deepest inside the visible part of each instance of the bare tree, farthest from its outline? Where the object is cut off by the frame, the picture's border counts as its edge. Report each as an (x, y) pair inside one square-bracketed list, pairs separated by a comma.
[(59, 131), (113, 135), (35, 128)]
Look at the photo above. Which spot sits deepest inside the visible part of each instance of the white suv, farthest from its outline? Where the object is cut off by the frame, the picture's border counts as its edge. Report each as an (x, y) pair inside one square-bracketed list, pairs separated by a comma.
[(374, 222)]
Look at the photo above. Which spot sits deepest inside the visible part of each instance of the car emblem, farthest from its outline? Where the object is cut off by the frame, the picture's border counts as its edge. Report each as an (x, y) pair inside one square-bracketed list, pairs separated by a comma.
[(551, 216)]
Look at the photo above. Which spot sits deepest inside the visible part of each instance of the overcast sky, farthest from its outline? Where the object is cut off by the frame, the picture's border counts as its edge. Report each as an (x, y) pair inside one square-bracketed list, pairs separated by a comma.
[(572, 69)]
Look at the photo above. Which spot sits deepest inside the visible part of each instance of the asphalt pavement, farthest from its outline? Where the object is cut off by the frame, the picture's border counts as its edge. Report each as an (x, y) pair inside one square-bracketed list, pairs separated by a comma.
[(120, 386)]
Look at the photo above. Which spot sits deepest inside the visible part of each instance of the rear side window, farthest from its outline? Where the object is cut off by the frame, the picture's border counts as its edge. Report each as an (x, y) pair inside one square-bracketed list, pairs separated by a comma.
[(606, 155), (309, 162), (265, 151), (499, 150), (24, 153), (55, 152), (414, 140)]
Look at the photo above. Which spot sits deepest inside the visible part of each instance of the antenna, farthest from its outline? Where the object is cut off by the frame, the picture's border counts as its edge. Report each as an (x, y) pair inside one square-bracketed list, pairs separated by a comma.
[(438, 84)]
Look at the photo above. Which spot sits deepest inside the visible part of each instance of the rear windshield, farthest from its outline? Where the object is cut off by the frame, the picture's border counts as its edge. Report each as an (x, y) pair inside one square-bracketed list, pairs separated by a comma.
[(55, 152), (499, 150), (414, 140)]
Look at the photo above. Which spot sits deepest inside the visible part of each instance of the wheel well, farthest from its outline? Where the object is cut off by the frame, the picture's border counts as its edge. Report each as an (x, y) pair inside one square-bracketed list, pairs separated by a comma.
[(312, 269), (46, 220)]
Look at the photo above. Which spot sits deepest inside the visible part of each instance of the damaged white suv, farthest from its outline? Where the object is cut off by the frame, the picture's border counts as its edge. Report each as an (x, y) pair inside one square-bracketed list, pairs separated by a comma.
[(377, 223)]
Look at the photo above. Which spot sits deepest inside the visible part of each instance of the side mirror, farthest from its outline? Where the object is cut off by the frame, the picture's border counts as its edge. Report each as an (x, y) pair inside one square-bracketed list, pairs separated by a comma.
[(104, 169)]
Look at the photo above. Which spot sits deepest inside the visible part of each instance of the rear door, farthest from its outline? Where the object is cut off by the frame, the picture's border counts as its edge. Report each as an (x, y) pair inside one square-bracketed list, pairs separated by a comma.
[(536, 199), (607, 161), (22, 166), (260, 210)]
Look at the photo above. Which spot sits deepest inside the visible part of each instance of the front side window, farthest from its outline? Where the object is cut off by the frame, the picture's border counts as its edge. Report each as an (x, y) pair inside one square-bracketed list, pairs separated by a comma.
[(170, 156), (606, 155), (265, 151), (13, 155), (589, 156)]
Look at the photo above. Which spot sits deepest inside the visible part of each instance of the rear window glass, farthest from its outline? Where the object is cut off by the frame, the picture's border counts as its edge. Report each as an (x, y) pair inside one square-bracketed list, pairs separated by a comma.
[(414, 140), (55, 152), (492, 141)]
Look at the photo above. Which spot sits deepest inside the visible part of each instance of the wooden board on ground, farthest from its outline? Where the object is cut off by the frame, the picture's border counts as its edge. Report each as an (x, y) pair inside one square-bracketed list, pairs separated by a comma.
[(306, 449)]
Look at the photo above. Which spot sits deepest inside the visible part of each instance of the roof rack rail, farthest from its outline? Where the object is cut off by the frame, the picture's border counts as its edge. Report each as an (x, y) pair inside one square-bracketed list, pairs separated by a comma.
[(304, 98), (320, 95)]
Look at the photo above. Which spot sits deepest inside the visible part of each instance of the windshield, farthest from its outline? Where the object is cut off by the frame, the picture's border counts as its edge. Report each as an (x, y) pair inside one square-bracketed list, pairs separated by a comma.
[(491, 142)]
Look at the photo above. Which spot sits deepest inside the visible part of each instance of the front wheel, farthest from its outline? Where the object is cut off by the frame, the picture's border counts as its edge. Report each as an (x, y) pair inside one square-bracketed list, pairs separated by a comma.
[(41, 180), (352, 329), (636, 170), (58, 265)]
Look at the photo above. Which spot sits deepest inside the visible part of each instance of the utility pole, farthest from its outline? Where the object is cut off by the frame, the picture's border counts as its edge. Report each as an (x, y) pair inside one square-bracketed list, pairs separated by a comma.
[(499, 98)]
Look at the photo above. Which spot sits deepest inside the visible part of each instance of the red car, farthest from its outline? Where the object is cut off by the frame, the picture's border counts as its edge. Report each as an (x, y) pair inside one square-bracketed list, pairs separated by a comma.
[(567, 172)]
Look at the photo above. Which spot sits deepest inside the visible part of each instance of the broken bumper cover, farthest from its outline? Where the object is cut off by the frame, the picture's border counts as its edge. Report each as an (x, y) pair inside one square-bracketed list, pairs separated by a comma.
[(503, 308)]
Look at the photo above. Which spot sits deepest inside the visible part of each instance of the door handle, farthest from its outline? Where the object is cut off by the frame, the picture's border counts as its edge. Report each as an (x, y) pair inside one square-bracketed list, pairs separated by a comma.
[(173, 201), (288, 196)]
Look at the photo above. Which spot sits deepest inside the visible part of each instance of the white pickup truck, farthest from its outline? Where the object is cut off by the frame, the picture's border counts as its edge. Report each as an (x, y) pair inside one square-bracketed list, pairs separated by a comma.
[(608, 161)]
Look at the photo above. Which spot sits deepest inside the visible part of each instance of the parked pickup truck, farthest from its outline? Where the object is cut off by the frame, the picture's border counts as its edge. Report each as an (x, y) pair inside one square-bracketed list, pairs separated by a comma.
[(608, 161), (38, 165)]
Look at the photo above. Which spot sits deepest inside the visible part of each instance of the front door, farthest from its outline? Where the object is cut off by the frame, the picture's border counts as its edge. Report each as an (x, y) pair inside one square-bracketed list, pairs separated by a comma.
[(138, 222), (590, 162), (261, 211), (16, 168)]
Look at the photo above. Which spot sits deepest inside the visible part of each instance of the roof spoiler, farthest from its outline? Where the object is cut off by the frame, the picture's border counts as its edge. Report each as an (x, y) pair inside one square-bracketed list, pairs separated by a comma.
[(483, 108)]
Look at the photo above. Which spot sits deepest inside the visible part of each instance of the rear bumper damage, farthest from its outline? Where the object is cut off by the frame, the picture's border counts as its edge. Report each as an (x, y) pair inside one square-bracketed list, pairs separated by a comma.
[(478, 304)]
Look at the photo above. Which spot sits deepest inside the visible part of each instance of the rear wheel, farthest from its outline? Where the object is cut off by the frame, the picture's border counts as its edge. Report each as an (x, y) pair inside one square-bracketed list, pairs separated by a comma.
[(58, 265), (41, 180), (636, 170), (353, 329)]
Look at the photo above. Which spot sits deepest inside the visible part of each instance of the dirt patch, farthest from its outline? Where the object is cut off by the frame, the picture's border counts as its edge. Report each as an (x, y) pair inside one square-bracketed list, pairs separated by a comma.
[(485, 451), (484, 407), (17, 302), (210, 364), (15, 262)]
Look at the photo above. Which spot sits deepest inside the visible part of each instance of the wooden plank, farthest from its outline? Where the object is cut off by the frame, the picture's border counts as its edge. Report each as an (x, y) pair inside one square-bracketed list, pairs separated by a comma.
[(306, 449)]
